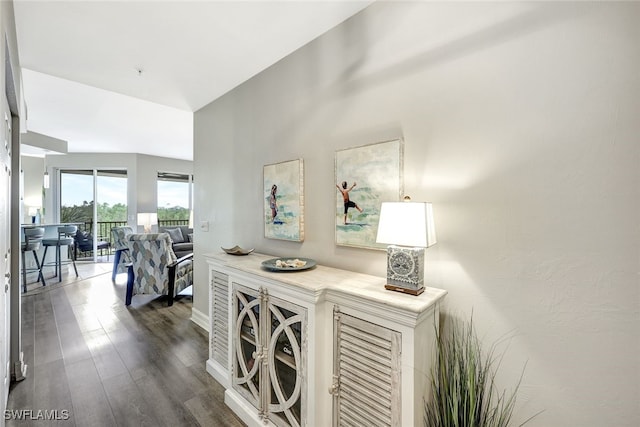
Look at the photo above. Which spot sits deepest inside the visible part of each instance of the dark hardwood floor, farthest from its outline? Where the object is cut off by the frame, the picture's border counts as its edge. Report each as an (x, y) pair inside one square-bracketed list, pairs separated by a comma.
[(104, 364)]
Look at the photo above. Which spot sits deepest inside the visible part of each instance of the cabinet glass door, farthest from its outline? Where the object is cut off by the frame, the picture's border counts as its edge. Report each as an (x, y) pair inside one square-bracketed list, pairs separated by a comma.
[(246, 360), (269, 363), (287, 364)]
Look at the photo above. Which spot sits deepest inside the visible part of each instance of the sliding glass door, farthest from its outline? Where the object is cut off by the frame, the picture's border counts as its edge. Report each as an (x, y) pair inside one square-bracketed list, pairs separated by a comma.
[(96, 200)]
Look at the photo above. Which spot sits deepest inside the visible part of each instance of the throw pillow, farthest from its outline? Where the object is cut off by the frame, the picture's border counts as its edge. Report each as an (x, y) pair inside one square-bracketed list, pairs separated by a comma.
[(190, 236), (175, 234)]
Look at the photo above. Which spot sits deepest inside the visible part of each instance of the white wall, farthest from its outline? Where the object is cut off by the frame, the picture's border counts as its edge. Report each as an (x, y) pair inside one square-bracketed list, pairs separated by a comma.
[(142, 176), (520, 124), (33, 170)]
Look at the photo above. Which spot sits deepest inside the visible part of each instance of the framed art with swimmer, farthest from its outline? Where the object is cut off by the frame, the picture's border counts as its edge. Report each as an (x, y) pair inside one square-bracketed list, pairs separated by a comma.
[(283, 200), (365, 177)]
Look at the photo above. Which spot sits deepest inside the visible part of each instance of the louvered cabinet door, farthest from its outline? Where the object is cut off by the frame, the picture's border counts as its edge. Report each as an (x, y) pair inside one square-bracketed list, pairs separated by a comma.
[(366, 385), (219, 291)]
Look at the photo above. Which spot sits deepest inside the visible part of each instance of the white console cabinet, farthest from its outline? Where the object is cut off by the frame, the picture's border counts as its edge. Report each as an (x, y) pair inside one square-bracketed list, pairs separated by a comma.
[(318, 347)]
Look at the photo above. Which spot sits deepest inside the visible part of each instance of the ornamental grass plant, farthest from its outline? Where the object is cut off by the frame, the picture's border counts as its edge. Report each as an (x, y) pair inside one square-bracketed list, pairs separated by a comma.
[(464, 391)]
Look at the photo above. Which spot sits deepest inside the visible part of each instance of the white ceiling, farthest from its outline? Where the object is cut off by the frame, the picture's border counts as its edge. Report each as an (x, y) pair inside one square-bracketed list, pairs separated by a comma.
[(126, 76)]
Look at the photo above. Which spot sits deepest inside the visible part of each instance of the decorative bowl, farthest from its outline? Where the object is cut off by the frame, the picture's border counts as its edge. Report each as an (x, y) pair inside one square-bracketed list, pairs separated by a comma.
[(288, 264), (237, 250)]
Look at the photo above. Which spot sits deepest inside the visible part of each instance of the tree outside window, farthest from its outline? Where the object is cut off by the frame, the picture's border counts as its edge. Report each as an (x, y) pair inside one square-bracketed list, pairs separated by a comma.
[(174, 198), (77, 197)]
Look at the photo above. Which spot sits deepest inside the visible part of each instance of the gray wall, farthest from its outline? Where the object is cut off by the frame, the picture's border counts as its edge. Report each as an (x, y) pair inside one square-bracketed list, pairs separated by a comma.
[(520, 124)]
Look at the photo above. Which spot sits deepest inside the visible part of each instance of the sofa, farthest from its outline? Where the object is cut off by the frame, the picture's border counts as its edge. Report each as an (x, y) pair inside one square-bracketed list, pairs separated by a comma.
[(182, 238)]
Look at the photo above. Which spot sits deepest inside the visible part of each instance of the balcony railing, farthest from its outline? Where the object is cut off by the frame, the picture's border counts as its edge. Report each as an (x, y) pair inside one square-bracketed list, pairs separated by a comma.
[(169, 222), (104, 231)]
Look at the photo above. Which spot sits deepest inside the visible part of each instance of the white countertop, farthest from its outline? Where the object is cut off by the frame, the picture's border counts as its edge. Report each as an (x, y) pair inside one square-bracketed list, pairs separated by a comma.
[(322, 278), (49, 225)]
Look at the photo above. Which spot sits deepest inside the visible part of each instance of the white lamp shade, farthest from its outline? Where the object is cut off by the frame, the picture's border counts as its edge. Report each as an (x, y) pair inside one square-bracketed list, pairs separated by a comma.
[(147, 220), (407, 224)]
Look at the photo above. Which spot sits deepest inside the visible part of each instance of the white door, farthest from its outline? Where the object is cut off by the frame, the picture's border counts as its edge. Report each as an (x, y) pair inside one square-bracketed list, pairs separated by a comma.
[(5, 246)]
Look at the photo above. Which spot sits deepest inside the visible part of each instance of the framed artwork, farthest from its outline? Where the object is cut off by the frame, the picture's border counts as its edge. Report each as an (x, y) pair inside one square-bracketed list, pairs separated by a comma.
[(365, 177), (283, 194)]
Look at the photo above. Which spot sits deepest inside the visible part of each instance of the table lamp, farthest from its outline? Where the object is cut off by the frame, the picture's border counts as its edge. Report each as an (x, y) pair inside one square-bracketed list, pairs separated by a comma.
[(33, 212), (408, 228), (147, 220)]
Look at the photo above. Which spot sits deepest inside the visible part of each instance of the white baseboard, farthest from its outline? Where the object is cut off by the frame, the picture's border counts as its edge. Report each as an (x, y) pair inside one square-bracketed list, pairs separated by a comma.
[(218, 373), (200, 319), (247, 413), (20, 369)]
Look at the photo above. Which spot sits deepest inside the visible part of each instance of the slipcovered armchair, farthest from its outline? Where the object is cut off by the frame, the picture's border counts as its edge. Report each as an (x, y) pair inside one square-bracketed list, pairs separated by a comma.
[(121, 245), (154, 267)]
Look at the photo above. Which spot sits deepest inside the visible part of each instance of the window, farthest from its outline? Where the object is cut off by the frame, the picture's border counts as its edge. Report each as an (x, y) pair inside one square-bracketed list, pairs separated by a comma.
[(175, 193)]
